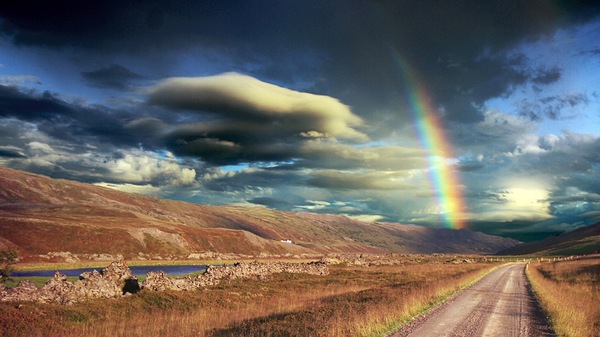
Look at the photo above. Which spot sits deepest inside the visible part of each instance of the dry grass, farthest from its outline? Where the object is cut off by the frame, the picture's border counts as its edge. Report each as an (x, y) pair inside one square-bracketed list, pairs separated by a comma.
[(30, 266), (351, 301), (568, 291)]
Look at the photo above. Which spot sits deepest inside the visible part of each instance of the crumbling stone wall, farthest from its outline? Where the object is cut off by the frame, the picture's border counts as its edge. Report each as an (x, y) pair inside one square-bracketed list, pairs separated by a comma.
[(116, 281), (368, 260), (106, 284), (213, 275)]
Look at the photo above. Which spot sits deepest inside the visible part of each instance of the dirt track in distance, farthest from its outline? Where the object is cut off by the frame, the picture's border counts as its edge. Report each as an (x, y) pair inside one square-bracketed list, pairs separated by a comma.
[(500, 304)]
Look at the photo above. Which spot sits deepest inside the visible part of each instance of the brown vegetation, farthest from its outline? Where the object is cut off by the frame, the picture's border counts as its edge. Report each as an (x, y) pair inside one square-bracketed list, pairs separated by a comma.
[(568, 291), (351, 301), (37, 214), (582, 241)]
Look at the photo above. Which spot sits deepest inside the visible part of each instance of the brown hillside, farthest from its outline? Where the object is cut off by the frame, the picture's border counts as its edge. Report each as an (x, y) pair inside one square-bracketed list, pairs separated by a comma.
[(41, 215), (583, 240)]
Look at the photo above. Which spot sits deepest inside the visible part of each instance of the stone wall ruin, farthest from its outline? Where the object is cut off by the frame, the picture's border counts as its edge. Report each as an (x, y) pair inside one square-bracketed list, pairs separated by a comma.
[(116, 281)]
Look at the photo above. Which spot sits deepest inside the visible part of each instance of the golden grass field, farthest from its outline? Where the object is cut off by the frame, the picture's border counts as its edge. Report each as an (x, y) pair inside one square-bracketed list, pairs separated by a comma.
[(569, 292), (351, 301)]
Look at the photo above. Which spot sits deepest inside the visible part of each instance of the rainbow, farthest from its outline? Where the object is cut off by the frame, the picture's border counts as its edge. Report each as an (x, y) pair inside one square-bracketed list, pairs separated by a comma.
[(443, 178)]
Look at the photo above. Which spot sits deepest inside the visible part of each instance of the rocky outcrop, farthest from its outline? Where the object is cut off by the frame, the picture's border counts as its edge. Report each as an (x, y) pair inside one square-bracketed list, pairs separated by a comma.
[(116, 281), (72, 258), (112, 282), (213, 275)]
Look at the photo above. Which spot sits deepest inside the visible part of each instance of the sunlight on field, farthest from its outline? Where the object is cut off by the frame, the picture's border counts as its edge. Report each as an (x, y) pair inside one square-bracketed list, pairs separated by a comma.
[(351, 301), (568, 291)]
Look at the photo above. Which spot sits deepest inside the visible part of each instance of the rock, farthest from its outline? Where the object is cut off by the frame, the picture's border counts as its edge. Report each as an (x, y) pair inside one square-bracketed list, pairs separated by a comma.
[(116, 281), (113, 282), (24, 291), (213, 275), (65, 256), (157, 281), (58, 289)]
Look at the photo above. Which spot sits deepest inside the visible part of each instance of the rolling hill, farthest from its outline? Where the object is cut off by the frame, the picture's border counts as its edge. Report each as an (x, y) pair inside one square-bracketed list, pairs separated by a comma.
[(583, 240), (40, 215)]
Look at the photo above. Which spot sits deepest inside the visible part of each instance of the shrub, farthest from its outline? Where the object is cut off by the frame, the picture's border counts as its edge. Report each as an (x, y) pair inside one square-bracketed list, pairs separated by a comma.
[(8, 258)]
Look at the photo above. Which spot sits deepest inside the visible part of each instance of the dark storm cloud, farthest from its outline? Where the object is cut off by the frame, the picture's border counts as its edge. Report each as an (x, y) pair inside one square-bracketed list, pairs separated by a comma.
[(572, 153), (518, 230), (14, 103), (11, 152), (270, 202), (547, 76), (573, 205), (552, 107), (114, 76), (470, 166), (114, 24), (496, 134), (454, 46), (64, 120)]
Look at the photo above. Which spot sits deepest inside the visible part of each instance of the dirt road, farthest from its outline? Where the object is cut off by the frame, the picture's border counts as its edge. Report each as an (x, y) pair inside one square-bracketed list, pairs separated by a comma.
[(500, 304)]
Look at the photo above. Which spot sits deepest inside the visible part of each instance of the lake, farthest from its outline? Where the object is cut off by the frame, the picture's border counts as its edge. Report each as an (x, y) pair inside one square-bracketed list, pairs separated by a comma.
[(136, 270)]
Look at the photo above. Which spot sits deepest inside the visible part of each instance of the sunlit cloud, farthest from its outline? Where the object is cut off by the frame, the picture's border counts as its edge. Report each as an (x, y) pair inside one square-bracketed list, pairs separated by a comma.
[(276, 105), (139, 167), (147, 189), (235, 97)]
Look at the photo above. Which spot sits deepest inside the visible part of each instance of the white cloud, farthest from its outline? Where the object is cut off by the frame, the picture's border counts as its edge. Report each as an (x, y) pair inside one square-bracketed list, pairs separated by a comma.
[(144, 167), (41, 148), (502, 125), (132, 188), (383, 158), (314, 205), (237, 97), (319, 202), (366, 217), (527, 144), (371, 180), (519, 201)]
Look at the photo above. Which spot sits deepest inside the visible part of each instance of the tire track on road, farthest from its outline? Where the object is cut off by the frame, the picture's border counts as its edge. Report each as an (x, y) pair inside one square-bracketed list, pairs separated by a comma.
[(500, 304)]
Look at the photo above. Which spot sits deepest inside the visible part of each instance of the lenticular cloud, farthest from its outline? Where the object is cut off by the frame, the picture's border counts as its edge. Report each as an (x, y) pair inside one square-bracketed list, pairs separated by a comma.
[(237, 97)]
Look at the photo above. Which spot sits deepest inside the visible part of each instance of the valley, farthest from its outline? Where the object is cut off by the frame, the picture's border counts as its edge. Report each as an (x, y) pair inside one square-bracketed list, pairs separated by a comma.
[(380, 276), (37, 214)]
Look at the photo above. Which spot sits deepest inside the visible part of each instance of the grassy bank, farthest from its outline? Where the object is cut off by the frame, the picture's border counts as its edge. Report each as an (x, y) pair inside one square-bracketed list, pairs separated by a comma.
[(351, 301), (569, 292), (31, 266)]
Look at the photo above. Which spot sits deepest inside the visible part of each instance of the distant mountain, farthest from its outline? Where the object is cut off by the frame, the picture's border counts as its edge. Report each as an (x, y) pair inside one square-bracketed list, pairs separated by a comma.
[(39, 215), (584, 240)]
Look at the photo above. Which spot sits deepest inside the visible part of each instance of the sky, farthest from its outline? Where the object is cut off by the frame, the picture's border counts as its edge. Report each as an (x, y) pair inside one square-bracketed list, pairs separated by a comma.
[(482, 115)]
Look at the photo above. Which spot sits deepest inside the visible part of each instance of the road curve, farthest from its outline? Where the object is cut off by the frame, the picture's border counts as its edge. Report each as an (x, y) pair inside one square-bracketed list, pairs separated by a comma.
[(500, 304)]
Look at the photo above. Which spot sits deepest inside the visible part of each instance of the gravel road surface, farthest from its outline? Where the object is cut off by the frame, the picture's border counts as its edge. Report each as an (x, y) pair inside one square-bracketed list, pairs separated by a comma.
[(500, 304)]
